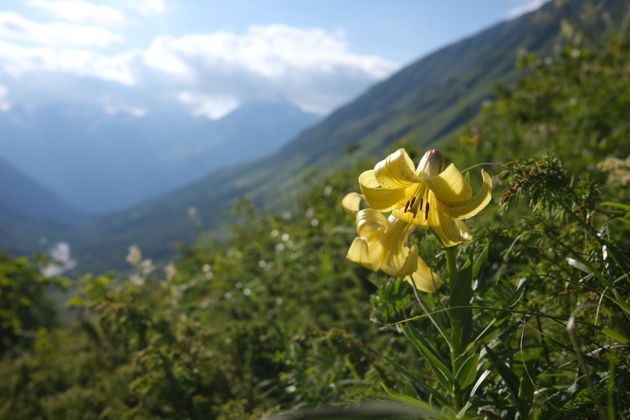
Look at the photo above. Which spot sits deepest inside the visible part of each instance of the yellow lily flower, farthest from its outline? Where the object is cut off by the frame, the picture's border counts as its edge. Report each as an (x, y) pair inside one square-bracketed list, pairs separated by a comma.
[(424, 196), (381, 245)]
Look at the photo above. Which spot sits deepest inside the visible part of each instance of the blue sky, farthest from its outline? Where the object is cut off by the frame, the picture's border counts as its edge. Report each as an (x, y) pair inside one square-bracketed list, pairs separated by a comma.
[(208, 57)]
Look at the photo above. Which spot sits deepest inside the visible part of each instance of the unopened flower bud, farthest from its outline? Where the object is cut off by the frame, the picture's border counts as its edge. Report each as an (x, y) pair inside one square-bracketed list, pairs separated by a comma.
[(431, 163)]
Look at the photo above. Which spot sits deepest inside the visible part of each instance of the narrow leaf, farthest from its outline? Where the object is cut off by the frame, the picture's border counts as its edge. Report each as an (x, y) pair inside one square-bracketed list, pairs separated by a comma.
[(467, 372), (615, 335), (621, 304), (615, 204), (439, 368), (427, 409), (480, 260), (482, 378), (525, 395), (422, 389), (506, 373)]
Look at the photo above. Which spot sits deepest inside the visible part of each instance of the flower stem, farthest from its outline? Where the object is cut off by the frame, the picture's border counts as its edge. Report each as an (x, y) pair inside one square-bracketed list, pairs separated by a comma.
[(456, 328), (452, 264)]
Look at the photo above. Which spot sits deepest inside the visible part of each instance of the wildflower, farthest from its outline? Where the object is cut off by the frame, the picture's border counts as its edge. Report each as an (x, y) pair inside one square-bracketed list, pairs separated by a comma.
[(618, 170), (381, 245), (136, 280), (469, 140), (170, 271), (134, 257), (146, 267), (424, 196)]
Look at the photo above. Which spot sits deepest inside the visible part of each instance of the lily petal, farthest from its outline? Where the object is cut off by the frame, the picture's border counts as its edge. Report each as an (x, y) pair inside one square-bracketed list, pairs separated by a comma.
[(351, 202), (401, 263), (381, 199), (424, 278), (400, 260), (396, 170), (396, 235), (359, 253), (449, 186), (473, 206), (450, 231), (370, 223)]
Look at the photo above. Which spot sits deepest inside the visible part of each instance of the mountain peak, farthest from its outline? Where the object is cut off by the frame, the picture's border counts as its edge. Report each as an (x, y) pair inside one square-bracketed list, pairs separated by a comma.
[(261, 108)]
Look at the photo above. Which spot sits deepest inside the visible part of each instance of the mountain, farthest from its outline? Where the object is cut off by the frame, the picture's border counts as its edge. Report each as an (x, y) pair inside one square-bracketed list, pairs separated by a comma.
[(103, 161), (30, 213), (26, 199)]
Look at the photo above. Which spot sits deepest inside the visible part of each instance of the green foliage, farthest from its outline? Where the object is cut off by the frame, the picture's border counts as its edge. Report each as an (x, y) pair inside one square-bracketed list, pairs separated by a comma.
[(25, 306), (273, 319)]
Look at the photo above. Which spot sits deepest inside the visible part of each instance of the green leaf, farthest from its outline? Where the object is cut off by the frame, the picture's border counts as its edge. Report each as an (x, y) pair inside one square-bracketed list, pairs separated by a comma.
[(75, 301), (465, 408), (483, 333), (554, 404), (506, 373), (467, 372), (616, 335), (428, 409), (621, 304), (480, 260), (462, 291), (507, 332), (403, 398), (461, 294), (482, 378), (439, 368), (615, 204), (422, 389), (368, 410), (525, 395)]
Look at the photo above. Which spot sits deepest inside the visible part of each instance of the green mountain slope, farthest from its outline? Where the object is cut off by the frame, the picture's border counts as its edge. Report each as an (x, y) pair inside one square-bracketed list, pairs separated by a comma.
[(26, 199), (29, 212), (435, 95)]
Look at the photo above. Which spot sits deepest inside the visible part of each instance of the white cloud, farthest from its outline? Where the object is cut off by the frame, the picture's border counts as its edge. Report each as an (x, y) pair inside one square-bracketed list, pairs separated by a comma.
[(272, 51), (17, 61), (309, 67), (525, 6), (76, 10), (209, 74), (21, 29), (161, 56), (124, 109), (149, 6), (211, 106), (5, 105)]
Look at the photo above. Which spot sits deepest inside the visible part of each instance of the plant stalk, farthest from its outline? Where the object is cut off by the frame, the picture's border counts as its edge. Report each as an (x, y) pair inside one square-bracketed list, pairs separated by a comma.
[(456, 329)]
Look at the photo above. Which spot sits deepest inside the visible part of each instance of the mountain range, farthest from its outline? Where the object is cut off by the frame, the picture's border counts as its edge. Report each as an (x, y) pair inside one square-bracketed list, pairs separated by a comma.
[(29, 211), (103, 161), (435, 96)]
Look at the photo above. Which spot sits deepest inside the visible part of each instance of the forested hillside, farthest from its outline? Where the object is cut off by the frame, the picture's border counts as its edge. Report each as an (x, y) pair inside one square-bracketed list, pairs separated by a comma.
[(531, 320)]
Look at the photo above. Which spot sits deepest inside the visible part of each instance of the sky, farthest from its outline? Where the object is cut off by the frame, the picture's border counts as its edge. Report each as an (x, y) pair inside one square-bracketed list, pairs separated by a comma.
[(207, 57)]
